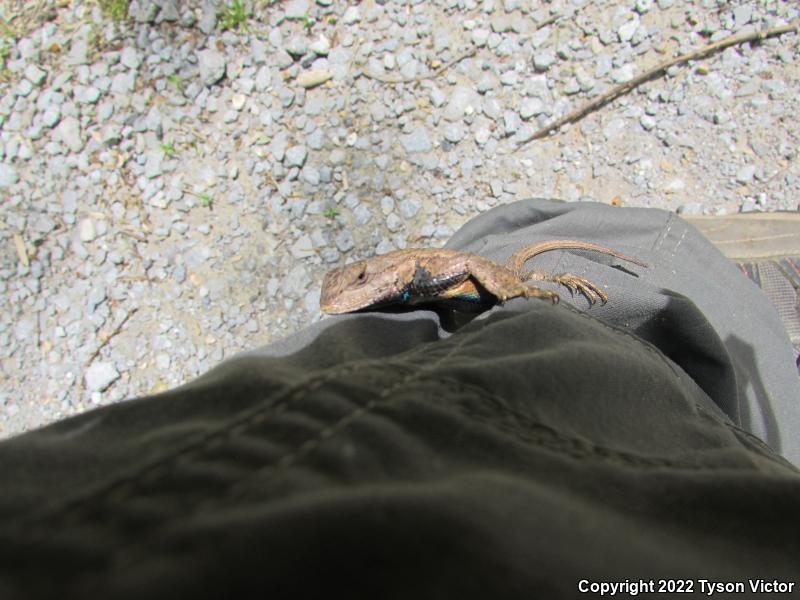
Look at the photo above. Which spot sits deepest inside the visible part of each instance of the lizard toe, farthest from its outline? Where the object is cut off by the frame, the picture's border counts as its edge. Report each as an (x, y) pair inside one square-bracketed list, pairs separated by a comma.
[(578, 284)]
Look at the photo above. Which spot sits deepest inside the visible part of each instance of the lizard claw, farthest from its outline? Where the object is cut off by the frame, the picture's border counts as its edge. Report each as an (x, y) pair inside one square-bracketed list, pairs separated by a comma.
[(584, 286)]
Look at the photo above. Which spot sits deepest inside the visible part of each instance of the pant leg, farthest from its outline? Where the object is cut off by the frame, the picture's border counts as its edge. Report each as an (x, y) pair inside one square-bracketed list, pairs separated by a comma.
[(691, 302)]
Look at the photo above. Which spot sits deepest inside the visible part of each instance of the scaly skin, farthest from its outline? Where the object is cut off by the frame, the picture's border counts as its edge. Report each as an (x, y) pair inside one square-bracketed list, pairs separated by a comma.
[(461, 280)]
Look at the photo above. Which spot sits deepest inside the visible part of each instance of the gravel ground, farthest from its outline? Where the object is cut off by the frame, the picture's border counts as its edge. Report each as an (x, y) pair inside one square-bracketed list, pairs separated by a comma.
[(174, 185)]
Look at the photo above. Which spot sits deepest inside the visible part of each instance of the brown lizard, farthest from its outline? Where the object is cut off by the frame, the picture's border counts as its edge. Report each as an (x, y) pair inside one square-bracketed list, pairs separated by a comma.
[(458, 280)]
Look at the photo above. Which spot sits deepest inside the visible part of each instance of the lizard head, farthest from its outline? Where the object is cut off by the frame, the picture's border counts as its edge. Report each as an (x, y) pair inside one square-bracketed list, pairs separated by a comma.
[(358, 285)]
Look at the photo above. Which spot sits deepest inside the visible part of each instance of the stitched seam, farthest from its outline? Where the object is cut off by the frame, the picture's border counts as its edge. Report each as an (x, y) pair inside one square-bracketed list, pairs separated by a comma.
[(671, 219), (329, 432), (123, 487), (577, 447), (289, 459), (680, 240)]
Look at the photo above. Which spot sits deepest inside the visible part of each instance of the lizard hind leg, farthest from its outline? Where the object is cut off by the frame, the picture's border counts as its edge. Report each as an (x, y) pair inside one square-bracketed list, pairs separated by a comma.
[(532, 291), (573, 282)]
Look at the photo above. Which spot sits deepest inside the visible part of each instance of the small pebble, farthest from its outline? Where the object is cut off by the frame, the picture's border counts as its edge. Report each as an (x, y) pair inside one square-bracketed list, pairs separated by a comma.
[(87, 231), (100, 375), (69, 133), (454, 132), (212, 66), (295, 156), (8, 176), (746, 173), (626, 31), (419, 140), (542, 61), (647, 122), (310, 79), (35, 75)]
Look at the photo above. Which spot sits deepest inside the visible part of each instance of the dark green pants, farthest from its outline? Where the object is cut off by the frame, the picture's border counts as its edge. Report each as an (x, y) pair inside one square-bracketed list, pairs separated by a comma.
[(534, 452)]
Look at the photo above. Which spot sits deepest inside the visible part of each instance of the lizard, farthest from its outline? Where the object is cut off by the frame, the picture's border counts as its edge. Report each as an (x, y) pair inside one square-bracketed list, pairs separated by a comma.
[(459, 280)]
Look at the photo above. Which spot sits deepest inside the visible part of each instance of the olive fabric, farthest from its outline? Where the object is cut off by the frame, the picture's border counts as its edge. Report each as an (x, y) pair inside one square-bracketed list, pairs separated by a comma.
[(534, 451)]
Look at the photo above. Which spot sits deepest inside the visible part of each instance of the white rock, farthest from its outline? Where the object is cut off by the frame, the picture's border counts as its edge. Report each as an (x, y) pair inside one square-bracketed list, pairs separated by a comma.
[(86, 230), (676, 185), (544, 60), (480, 36), (462, 100), (303, 247), (623, 74), (530, 107), (34, 74), (296, 9), (614, 127), (321, 46), (78, 50), (152, 167), (130, 58), (212, 66), (28, 49), (742, 15), (100, 375), (337, 156), (24, 329), (275, 37), (626, 31), (24, 87), (540, 36), (297, 46), (647, 122), (296, 156), (418, 140), (8, 176), (68, 133), (123, 83), (482, 136), (454, 132), (237, 101), (746, 174), (163, 361), (437, 97), (351, 15), (87, 95)]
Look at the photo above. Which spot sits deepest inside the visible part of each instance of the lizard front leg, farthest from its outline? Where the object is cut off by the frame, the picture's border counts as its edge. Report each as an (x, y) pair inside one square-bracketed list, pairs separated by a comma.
[(573, 282)]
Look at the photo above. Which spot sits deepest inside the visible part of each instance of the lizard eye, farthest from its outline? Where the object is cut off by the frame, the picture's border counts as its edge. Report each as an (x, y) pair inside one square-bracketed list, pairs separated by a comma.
[(362, 275)]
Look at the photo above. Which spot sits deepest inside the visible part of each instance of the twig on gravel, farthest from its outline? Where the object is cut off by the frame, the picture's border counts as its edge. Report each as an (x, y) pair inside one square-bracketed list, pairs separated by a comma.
[(111, 335), (136, 236), (22, 251), (547, 22), (436, 73), (624, 88)]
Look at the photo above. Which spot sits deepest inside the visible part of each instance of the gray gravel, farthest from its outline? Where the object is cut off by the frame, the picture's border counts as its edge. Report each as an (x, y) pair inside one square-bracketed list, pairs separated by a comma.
[(173, 193)]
